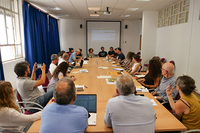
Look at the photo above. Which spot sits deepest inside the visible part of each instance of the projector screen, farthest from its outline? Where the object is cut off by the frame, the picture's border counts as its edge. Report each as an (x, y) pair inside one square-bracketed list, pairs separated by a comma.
[(104, 34)]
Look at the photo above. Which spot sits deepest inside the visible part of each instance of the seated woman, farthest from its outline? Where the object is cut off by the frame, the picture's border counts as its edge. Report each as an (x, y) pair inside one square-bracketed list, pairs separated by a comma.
[(136, 64), (59, 72), (153, 75), (91, 54), (128, 59), (10, 115), (187, 108)]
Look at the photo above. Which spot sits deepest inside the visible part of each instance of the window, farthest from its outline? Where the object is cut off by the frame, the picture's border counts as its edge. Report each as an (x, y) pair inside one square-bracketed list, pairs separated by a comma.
[(174, 14), (10, 39)]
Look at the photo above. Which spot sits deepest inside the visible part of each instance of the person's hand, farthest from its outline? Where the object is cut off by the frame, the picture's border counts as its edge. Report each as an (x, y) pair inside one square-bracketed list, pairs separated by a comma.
[(35, 67), (169, 91), (43, 67)]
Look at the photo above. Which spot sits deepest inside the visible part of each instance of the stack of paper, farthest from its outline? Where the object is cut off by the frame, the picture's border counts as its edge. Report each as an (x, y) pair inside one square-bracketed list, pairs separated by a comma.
[(103, 77), (141, 89), (84, 71), (79, 87), (103, 67), (140, 76)]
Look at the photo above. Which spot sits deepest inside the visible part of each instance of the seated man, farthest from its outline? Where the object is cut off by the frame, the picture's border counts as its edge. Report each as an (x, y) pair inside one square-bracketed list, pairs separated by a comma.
[(111, 53), (80, 55), (127, 112), (120, 55), (64, 58), (168, 79), (54, 61), (102, 53), (63, 115), (72, 58), (27, 87)]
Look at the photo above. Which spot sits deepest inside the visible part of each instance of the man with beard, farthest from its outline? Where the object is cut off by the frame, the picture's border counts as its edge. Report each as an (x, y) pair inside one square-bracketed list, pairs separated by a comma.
[(28, 87)]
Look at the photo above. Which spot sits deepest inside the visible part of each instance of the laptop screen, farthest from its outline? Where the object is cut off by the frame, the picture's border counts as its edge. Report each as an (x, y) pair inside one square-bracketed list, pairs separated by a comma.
[(88, 101)]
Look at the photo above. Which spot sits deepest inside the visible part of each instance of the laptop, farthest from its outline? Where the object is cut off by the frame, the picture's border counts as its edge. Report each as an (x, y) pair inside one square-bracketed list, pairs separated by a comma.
[(88, 101), (81, 64)]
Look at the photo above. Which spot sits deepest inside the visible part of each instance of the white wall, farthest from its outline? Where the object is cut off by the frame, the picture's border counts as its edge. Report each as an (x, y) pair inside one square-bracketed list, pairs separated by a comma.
[(149, 35), (181, 43), (71, 35), (131, 35)]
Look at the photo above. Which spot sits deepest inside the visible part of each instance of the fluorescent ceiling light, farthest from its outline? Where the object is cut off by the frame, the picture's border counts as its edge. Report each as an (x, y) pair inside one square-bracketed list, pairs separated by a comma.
[(132, 9), (63, 15), (55, 8), (94, 8), (142, 0), (94, 15), (125, 15)]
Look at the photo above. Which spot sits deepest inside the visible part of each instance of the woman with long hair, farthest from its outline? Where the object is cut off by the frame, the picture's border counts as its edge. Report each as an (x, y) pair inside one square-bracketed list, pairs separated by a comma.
[(59, 72), (125, 63), (187, 108), (152, 78), (10, 115), (136, 65)]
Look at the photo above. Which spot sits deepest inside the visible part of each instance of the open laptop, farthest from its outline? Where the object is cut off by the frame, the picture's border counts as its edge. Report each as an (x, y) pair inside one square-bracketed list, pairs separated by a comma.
[(88, 101), (81, 64)]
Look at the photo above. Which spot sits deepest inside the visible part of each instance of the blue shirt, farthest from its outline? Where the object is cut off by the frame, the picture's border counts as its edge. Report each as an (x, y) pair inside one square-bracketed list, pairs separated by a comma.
[(64, 119), (72, 57)]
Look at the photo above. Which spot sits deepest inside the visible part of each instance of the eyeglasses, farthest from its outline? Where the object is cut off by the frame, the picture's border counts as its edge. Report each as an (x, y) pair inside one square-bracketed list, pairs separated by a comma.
[(163, 69)]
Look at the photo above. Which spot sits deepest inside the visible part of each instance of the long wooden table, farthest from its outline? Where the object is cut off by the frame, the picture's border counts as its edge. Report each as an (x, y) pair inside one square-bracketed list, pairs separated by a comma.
[(165, 120)]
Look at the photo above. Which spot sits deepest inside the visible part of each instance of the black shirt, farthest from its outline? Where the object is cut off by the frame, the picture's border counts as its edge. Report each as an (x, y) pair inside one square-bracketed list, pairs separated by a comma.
[(102, 54), (120, 56), (110, 53), (148, 80)]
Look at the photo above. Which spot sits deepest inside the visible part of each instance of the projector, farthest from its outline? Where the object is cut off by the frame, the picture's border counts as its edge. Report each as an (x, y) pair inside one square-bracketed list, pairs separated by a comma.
[(107, 13)]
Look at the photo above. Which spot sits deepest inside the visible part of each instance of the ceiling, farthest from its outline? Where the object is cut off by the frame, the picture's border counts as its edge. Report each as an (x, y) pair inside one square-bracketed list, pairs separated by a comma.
[(78, 9)]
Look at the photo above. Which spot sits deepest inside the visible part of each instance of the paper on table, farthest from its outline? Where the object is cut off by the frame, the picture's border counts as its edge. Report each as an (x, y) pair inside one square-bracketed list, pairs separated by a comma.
[(113, 62), (139, 89), (79, 87), (115, 66), (76, 72), (118, 69), (104, 59), (140, 76), (103, 67), (85, 62), (84, 71), (110, 83), (103, 77), (153, 102)]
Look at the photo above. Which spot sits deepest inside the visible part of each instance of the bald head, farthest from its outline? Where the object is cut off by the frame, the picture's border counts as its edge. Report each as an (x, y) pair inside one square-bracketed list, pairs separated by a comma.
[(65, 56), (169, 67), (125, 85), (64, 91)]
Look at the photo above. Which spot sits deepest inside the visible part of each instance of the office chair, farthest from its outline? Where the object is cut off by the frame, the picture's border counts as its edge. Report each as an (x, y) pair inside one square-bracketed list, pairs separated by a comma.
[(163, 60), (25, 109), (45, 85), (193, 131)]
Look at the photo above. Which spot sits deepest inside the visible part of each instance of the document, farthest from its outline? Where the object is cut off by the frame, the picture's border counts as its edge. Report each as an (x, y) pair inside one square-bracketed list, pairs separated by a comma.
[(153, 102), (79, 87), (111, 81), (115, 65), (85, 62), (84, 71), (140, 76), (103, 77), (141, 89), (118, 69), (103, 67)]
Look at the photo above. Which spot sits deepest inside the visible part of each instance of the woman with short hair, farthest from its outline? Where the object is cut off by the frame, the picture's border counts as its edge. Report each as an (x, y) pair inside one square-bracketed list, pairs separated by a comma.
[(187, 108), (10, 115), (91, 54)]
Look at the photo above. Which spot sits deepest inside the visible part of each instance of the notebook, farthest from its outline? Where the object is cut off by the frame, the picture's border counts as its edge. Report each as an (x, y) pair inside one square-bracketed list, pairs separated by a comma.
[(88, 101)]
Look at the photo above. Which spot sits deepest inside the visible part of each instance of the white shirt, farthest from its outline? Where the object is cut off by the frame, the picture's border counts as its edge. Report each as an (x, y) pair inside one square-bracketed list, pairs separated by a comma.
[(126, 114), (134, 65), (12, 119), (61, 60), (52, 67)]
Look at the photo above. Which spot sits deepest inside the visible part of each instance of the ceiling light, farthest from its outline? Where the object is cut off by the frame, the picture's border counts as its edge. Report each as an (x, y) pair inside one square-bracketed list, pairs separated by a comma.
[(125, 15), (55, 8), (94, 15), (63, 15), (132, 9), (94, 8)]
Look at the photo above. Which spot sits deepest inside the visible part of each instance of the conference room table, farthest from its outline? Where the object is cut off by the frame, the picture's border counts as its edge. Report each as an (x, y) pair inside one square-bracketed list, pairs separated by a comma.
[(97, 66)]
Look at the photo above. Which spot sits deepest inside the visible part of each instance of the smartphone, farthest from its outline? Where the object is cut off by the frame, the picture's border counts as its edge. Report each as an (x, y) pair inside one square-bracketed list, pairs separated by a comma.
[(39, 65), (170, 87)]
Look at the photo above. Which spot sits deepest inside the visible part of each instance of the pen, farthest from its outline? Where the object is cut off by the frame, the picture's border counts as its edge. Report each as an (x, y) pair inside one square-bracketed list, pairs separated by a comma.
[(85, 86)]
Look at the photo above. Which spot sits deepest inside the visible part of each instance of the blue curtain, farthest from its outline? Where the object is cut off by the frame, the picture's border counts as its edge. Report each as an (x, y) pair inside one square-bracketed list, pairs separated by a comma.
[(1, 68), (39, 45), (54, 36)]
